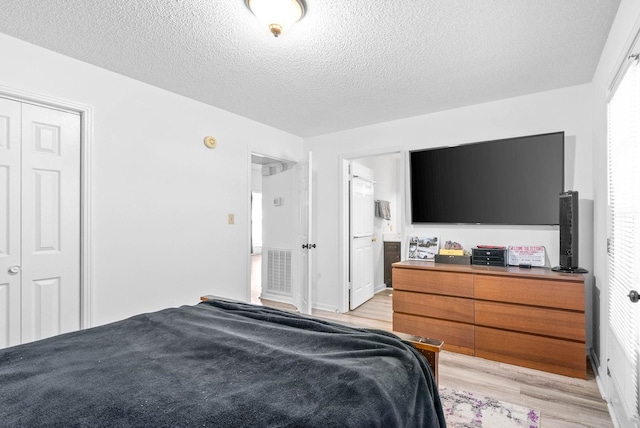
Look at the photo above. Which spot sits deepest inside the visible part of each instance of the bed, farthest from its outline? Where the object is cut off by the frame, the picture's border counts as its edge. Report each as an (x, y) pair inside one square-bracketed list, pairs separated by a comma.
[(219, 363)]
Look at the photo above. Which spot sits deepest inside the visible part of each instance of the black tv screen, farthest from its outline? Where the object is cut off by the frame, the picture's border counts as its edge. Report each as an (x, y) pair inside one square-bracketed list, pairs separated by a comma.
[(514, 181)]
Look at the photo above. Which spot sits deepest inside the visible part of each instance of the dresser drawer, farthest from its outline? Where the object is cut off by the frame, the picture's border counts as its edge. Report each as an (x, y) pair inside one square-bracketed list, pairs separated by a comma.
[(457, 337), (536, 292), (528, 319), (424, 281), (434, 306), (489, 252), (541, 353)]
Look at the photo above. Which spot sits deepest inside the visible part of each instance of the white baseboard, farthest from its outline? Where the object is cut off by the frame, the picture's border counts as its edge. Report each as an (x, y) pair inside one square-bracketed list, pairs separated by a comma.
[(327, 308), (380, 287), (277, 298)]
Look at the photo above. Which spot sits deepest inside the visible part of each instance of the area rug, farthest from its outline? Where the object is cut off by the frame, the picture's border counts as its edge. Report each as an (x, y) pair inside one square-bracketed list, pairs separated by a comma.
[(467, 410)]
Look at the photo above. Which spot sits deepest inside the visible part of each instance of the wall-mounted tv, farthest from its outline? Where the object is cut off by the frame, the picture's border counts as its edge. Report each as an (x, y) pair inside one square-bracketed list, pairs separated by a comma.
[(513, 181)]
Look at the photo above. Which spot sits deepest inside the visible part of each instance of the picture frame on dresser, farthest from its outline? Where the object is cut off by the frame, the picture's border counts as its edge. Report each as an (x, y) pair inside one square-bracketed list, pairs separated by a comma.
[(533, 255), (423, 248)]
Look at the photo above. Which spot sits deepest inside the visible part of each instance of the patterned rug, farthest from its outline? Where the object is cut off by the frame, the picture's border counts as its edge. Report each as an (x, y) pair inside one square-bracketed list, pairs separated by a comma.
[(466, 410)]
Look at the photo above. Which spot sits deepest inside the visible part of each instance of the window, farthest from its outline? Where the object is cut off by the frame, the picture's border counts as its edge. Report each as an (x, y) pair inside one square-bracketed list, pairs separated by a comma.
[(624, 233)]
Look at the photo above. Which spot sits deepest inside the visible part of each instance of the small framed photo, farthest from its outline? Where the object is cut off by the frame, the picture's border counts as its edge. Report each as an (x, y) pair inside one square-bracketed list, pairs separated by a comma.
[(423, 248)]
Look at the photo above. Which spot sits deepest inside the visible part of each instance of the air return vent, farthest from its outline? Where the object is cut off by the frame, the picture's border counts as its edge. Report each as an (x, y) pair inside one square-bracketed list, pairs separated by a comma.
[(279, 271)]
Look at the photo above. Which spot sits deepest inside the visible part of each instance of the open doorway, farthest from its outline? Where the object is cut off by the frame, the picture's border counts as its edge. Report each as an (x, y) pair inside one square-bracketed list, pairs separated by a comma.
[(271, 217), (388, 170)]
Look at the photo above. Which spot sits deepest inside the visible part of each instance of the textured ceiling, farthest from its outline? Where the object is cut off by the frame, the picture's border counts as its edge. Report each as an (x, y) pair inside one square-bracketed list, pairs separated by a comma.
[(346, 64)]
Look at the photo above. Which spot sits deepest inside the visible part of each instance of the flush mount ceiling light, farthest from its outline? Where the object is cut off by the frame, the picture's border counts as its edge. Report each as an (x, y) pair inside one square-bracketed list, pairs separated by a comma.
[(277, 15)]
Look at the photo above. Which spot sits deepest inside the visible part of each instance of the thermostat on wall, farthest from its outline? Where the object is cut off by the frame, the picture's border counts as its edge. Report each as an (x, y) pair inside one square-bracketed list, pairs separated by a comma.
[(210, 142), (277, 202)]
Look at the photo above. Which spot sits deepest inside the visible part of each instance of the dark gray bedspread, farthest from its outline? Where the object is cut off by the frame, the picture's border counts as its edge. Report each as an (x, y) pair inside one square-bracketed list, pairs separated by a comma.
[(220, 364)]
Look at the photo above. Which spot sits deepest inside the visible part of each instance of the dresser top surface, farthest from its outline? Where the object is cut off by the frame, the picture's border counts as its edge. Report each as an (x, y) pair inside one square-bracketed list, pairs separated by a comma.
[(534, 272)]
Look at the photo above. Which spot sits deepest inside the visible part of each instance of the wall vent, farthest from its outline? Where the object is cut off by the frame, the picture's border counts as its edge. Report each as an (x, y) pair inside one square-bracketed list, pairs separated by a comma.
[(279, 271)]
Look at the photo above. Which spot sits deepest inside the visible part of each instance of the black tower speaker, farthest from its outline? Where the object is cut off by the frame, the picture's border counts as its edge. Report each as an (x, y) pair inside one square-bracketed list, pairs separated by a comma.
[(569, 233)]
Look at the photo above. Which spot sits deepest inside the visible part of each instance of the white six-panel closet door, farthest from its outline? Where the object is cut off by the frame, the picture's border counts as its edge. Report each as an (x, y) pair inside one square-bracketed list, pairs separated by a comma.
[(50, 222), (10, 233), (39, 222)]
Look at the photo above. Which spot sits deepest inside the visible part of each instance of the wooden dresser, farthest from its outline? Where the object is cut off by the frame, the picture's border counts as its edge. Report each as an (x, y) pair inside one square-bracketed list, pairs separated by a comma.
[(528, 317)]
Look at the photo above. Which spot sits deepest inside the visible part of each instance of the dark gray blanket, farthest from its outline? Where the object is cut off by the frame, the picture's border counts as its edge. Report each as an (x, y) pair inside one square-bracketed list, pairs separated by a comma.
[(218, 364)]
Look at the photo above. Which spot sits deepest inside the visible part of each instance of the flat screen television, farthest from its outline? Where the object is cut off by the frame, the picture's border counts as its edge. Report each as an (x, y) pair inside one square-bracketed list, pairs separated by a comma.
[(513, 181)]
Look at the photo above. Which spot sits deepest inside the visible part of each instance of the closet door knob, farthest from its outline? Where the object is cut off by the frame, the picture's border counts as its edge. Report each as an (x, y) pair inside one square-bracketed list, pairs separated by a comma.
[(14, 269)]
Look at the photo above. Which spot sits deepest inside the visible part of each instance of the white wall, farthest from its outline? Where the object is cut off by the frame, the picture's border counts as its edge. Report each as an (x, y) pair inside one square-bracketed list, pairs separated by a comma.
[(624, 28), (256, 209), (567, 110), (279, 220), (278, 230), (160, 199), (256, 178), (385, 171)]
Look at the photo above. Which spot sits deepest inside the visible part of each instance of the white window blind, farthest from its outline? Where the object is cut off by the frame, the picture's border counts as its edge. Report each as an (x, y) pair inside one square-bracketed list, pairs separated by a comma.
[(624, 234)]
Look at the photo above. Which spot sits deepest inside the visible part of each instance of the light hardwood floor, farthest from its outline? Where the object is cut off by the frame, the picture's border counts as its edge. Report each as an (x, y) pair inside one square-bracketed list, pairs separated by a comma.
[(562, 401)]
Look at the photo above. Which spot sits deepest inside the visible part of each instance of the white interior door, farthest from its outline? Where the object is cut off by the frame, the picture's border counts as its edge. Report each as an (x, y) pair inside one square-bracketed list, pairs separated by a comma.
[(361, 225), (42, 200), (302, 289)]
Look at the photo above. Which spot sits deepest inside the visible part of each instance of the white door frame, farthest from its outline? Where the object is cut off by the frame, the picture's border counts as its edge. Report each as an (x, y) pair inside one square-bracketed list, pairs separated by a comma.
[(345, 160), (86, 140)]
